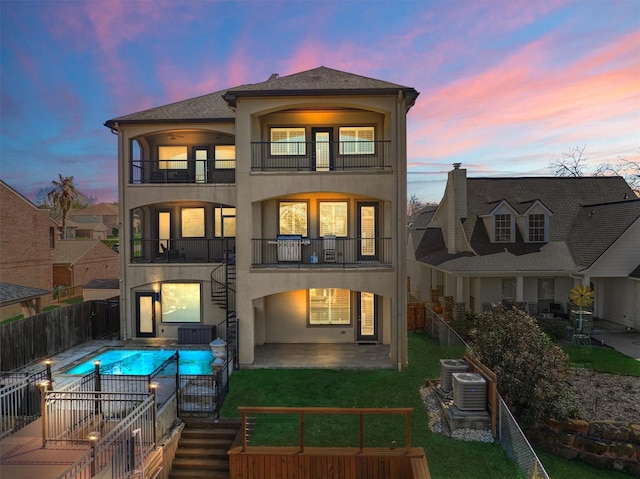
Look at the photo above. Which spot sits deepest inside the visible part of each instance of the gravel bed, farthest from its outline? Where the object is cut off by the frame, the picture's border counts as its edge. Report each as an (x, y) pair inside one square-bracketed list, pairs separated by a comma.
[(439, 425)]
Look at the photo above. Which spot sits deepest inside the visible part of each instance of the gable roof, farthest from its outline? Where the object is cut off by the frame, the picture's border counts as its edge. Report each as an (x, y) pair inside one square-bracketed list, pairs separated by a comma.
[(568, 199), (219, 105), (597, 227), (70, 251)]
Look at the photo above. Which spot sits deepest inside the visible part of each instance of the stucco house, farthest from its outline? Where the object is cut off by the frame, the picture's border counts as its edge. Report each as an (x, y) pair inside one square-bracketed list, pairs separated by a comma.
[(280, 203), (529, 241)]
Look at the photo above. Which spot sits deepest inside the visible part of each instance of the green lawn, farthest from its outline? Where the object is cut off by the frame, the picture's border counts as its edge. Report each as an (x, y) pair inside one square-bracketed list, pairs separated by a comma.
[(602, 359), (447, 458)]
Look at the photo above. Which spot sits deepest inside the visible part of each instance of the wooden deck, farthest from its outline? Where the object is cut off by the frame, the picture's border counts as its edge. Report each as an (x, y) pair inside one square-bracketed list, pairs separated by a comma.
[(303, 462), (327, 463)]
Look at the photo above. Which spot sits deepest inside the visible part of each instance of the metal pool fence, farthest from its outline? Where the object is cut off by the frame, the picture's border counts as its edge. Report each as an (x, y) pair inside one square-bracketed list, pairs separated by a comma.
[(509, 434)]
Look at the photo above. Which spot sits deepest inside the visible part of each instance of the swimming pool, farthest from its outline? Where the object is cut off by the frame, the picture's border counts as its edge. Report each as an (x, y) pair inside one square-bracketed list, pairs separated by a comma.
[(145, 361)]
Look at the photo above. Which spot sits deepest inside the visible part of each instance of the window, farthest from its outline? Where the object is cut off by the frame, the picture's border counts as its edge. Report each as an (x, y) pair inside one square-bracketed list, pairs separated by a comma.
[(288, 141), (52, 237), (333, 218), (193, 222), (293, 218), (357, 140), (225, 222), (509, 289), (225, 157), (180, 302), (329, 306), (502, 227), (172, 157), (536, 227)]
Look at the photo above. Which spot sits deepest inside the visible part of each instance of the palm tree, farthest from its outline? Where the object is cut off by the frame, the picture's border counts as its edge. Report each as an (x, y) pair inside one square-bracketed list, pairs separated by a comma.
[(62, 195)]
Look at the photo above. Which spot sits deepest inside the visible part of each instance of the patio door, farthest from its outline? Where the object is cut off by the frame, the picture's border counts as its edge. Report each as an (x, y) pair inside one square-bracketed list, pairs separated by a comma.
[(367, 317), (367, 231), (201, 155), (146, 315), (322, 157)]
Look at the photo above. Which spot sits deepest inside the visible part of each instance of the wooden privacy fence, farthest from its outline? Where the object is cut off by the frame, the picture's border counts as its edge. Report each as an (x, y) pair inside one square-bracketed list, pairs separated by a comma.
[(302, 462), (49, 333), (416, 316)]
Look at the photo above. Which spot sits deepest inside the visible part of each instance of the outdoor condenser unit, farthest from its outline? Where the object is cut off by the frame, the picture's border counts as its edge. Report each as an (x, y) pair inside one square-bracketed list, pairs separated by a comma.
[(447, 368), (469, 392)]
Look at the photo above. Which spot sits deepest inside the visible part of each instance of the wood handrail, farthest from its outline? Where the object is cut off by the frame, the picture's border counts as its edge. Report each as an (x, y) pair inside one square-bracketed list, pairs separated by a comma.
[(301, 411)]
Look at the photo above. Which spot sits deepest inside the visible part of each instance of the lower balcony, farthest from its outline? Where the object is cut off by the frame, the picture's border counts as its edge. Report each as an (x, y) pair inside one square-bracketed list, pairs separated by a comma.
[(330, 251), (183, 250)]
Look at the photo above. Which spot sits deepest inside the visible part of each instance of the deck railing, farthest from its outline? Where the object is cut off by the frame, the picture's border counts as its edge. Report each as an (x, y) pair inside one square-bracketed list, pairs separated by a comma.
[(20, 399), (181, 250), (296, 251), (118, 428), (303, 412), (188, 171), (320, 156)]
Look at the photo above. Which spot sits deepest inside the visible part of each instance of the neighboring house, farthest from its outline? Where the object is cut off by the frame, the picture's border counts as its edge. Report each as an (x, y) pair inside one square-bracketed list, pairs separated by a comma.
[(530, 240), (77, 262), (97, 231), (96, 221), (281, 203), (16, 300), (27, 244)]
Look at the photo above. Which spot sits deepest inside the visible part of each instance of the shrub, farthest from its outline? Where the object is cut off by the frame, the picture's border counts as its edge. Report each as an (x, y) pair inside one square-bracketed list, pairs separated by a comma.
[(531, 370), (557, 330)]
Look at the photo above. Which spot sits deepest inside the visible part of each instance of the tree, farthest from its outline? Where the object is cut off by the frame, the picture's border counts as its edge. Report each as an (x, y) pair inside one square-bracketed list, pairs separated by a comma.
[(63, 194), (574, 163), (413, 205), (532, 371), (41, 200)]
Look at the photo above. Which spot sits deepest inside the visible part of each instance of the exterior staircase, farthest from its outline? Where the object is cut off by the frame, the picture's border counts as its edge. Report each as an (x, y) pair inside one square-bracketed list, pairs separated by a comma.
[(203, 447)]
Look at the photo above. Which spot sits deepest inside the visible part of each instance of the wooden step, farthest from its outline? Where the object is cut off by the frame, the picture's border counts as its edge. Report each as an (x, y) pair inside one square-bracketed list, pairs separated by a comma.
[(200, 463)]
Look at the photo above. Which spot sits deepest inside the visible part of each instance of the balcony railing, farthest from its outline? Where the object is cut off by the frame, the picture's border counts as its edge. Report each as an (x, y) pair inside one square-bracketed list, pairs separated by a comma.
[(320, 156), (183, 171), (182, 250), (327, 252)]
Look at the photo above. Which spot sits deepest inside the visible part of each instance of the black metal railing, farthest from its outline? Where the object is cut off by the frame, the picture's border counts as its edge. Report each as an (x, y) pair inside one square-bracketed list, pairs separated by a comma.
[(183, 171), (292, 250), (320, 156), (20, 395), (182, 250)]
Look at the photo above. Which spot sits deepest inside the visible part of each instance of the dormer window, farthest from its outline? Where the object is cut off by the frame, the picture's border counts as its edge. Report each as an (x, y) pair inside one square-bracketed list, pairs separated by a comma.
[(503, 228), (536, 228)]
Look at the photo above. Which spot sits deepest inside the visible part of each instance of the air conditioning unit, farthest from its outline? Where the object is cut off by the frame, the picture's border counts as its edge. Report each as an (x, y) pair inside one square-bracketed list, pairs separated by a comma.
[(447, 368), (469, 392)]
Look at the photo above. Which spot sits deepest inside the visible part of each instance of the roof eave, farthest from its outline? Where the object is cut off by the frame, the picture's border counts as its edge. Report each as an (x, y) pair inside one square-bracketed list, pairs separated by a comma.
[(113, 124)]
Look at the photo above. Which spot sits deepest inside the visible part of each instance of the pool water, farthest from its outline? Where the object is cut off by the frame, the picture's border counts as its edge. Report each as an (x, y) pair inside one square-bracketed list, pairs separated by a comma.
[(145, 361)]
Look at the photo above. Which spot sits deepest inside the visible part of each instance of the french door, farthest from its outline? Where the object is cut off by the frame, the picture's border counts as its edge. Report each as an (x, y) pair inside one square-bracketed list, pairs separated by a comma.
[(322, 154), (367, 231), (146, 315), (367, 317)]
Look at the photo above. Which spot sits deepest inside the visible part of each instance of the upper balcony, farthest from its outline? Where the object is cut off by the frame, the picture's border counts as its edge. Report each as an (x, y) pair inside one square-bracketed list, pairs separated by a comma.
[(320, 155), (191, 171)]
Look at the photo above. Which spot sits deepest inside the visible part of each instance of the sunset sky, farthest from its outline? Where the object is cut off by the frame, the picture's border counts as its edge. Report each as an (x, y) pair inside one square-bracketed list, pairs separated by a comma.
[(505, 85)]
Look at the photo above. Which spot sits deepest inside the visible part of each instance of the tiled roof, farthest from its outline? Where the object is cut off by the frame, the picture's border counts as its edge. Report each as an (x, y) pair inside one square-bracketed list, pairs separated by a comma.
[(215, 106), (70, 251), (103, 284), (101, 209), (597, 227), (14, 293), (569, 201)]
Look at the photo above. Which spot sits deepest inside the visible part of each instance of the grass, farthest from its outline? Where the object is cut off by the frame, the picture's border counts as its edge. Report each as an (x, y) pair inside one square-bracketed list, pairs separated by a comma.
[(602, 359), (380, 388), (447, 458)]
